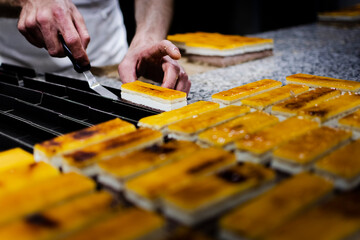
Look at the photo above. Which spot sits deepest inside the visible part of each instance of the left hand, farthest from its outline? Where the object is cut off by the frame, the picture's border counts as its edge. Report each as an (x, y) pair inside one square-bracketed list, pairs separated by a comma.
[(156, 61)]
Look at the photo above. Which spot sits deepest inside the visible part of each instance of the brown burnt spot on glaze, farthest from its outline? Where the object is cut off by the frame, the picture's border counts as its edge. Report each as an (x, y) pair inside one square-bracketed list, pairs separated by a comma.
[(128, 138), (51, 143), (232, 176), (33, 165), (81, 156), (83, 134), (41, 220), (160, 149), (317, 113), (205, 165)]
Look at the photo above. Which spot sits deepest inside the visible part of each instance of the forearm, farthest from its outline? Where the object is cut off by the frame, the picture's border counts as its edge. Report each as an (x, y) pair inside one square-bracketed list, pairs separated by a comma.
[(153, 19)]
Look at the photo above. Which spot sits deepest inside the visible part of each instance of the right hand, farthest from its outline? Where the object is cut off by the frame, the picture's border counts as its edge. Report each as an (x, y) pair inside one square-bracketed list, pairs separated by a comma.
[(41, 22)]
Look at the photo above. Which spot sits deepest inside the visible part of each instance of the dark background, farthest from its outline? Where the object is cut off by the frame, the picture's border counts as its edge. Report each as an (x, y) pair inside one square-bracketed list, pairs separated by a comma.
[(239, 17)]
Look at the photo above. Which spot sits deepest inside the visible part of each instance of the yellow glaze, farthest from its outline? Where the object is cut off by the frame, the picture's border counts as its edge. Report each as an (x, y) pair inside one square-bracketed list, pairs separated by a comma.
[(271, 137), (216, 40), (203, 121), (344, 162), (115, 146), (320, 81), (145, 159), (331, 108), (59, 220), (132, 223), (271, 97), (155, 183), (204, 191), (72, 141), (163, 119), (237, 128), (13, 158), (351, 121), (42, 195), (25, 176), (306, 99), (153, 90), (336, 219), (238, 93), (275, 207), (309, 146)]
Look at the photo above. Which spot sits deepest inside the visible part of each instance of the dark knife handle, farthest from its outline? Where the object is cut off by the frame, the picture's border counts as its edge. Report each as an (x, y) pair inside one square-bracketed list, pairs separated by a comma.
[(68, 53)]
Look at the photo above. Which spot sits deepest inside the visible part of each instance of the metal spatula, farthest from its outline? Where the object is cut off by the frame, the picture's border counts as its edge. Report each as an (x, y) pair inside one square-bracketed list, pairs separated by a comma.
[(93, 84)]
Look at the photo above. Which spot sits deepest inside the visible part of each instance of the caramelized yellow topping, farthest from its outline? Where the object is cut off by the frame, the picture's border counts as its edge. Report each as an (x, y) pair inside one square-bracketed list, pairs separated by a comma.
[(216, 40), (306, 99), (343, 162), (331, 108), (307, 147), (115, 146), (276, 206), (247, 90), (268, 98), (352, 120), (265, 140), (237, 128), (13, 158), (163, 119), (153, 90), (205, 120), (168, 177), (72, 141), (319, 81)]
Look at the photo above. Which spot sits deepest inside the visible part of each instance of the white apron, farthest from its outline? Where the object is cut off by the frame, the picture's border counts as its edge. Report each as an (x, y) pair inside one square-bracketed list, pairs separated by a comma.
[(107, 46)]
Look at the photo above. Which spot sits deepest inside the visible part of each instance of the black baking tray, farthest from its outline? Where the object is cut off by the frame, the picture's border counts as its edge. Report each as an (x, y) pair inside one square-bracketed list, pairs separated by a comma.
[(45, 87), (8, 142), (25, 94), (9, 77), (20, 71)]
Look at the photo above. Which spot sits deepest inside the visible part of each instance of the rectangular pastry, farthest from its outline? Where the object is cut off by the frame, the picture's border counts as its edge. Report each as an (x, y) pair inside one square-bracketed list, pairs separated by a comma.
[(257, 147), (43, 194), (83, 160), (129, 224), (146, 189), (206, 197), (25, 176), (342, 166), (347, 15), (265, 100), (351, 121), (234, 95), (188, 129), (270, 210), (338, 218), (315, 96), (320, 81), (15, 157), (60, 220), (49, 151), (221, 50), (300, 153), (162, 120), (335, 107), (115, 171), (153, 96), (225, 134)]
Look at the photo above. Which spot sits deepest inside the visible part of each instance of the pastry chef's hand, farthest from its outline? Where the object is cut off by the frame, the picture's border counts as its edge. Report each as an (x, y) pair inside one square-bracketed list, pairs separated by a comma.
[(41, 22), (157, 62)]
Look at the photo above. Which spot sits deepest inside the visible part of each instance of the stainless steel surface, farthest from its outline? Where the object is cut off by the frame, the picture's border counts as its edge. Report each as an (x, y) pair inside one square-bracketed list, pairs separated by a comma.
[(94, 85)]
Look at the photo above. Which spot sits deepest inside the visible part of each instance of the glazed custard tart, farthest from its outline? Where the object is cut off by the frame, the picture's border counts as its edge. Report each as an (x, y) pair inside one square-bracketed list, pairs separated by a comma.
[(234, 95), (265, 100), (15, 157), (153, 96), (320, 81), (206, 197), (60, 220), (351, 121), (188, 129), (257, 147), (275, 207), (332, 108), (162, 120), (115, 171), (335, 219), (225, 134), (48, 151), (300, 153), (43, 194), (146, 189), (342, 165), (315, 96), (83, 160)]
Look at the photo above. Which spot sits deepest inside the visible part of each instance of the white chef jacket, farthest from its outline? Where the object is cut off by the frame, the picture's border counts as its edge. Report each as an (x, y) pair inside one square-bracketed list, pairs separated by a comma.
[(108, 44)]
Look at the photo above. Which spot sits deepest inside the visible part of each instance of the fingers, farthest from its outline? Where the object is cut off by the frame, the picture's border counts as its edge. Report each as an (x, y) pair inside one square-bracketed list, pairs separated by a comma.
[(81, 28), (164, 48), (183, 83), (127, 71), (174, 76)]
